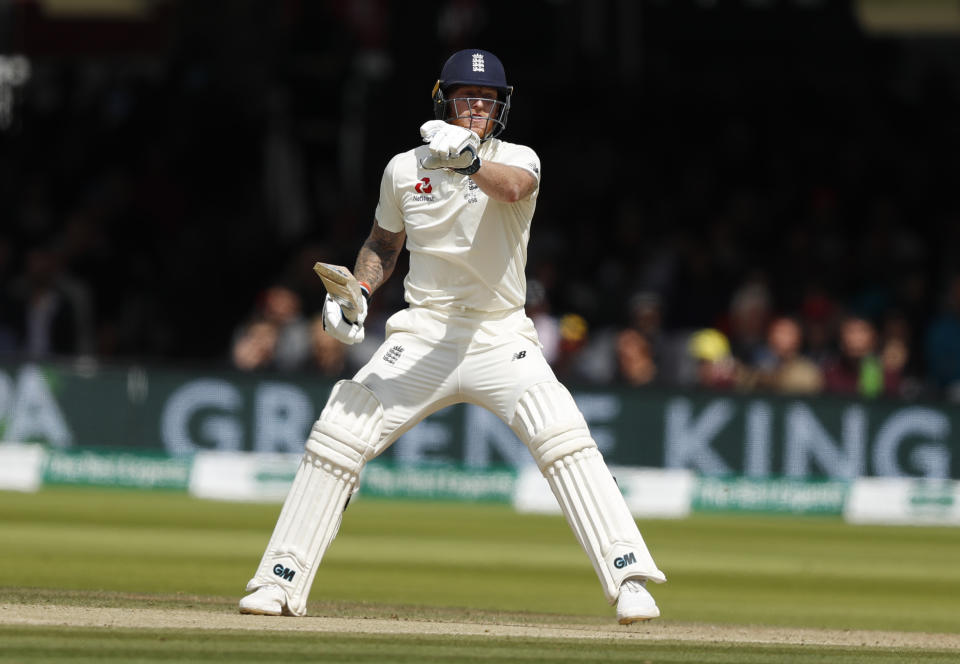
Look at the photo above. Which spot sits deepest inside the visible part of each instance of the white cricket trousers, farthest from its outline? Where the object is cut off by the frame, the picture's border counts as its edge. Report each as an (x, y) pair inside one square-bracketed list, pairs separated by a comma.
[(429, 361)]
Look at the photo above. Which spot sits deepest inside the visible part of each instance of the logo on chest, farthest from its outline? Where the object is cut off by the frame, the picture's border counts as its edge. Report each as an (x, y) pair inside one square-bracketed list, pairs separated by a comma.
[(424, 190)]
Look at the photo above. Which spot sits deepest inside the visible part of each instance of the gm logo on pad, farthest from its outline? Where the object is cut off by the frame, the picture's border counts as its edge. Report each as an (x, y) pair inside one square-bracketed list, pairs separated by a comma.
[(287, 574), (624, 560)]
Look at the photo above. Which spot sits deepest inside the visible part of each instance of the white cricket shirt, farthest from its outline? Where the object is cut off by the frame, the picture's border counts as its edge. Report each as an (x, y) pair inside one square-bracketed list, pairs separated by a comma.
[(468, 252)]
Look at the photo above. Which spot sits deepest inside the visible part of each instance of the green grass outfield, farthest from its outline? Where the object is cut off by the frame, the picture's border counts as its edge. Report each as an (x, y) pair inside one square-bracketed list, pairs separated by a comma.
[(461, 563)]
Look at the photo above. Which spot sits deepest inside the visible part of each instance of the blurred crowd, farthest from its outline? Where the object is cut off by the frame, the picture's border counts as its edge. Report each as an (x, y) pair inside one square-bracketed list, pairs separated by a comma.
[(778, 215), (823, 348)]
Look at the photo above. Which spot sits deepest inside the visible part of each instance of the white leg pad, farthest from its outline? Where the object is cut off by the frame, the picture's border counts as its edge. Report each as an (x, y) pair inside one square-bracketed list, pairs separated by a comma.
[(340, 444), (548, 421)]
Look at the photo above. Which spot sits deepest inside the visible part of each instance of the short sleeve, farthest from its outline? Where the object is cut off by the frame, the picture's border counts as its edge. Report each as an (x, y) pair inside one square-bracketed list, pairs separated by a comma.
[(523, 157), (389, 215)]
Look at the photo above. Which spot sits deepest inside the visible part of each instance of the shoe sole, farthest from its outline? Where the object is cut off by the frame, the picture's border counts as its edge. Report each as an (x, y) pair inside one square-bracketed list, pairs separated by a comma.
[(259, 612), (627, 621)]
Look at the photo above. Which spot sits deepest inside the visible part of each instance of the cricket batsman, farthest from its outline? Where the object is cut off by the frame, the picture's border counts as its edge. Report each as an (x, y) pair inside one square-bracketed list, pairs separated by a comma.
[(463, 204)]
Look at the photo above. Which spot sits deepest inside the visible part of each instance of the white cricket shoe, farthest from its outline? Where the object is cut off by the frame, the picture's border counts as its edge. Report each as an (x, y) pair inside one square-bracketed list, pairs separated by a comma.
[(268, 600), (635, 602)]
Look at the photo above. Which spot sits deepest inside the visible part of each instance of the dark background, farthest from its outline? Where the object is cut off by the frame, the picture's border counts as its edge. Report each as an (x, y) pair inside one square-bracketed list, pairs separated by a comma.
[(174, 159)]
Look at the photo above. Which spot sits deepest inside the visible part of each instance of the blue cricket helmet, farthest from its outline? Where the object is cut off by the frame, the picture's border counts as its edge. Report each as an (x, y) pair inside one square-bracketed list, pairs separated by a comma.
[(474, 66)]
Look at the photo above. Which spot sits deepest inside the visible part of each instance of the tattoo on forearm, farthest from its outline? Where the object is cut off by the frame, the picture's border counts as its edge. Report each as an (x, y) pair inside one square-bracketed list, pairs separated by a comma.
[(377, 257)]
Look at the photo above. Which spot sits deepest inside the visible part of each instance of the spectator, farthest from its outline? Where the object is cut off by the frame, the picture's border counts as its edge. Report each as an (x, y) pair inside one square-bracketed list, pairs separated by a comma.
[(635, 358), (50, 313), (546, 324), (641, 349), (613, 354), (327, 355), (256, 346), (782, 367), (897, 355), (750, 309), (857, 369), (818, 318), (645, 310), (574, 337), (716, 367), (279, 308)]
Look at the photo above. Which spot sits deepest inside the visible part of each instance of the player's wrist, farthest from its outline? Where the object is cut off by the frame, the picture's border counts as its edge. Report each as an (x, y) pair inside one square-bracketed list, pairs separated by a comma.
[(471, 169), (365, 290)]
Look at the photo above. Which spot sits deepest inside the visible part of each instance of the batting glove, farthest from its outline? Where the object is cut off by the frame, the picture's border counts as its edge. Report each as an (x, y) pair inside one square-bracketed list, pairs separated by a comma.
[(451, 140), (430, 128), (451, 147), (339, 327)]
